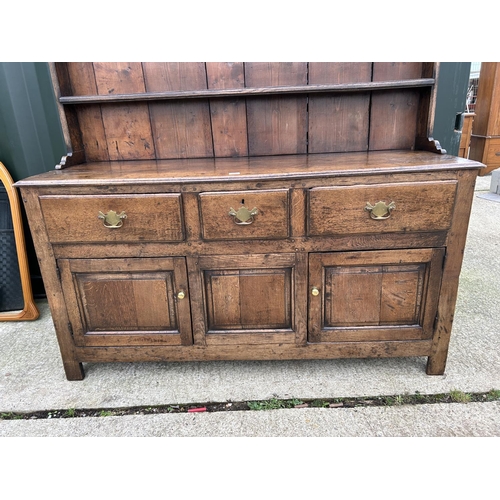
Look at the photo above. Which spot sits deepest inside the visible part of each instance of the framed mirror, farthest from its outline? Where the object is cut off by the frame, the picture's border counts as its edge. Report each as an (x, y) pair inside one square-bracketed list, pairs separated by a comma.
[(16, 296)]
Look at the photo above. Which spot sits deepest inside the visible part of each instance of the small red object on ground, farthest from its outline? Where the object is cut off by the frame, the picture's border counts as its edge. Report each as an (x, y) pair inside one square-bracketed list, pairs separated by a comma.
[(192, 410)]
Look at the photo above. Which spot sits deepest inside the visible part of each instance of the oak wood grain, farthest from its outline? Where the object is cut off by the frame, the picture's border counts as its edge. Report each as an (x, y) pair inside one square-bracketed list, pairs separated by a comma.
[(126, 301), (270, 221), (276, 125), (185, 146), (127, 127), (180, 129), (389, 295), (148, 218), (418, 207), (229, 118), (339, 123), (250, 91), (235, 170), (393, 118)]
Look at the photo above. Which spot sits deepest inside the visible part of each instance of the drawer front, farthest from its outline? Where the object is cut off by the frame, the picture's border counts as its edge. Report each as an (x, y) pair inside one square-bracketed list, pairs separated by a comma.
[(127, 218), (493, 152), (382, 208), (245, 215)]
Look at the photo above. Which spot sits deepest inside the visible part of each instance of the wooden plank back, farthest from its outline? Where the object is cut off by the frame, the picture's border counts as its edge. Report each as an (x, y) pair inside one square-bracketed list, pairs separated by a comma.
[(247, 125)]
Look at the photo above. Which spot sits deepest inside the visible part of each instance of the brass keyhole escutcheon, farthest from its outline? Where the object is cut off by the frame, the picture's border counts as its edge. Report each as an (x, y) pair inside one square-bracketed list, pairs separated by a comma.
[(181, 295), (314, 291)]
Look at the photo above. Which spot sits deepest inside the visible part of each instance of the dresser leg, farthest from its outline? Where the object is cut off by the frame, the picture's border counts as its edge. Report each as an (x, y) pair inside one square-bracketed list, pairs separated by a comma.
[(436, 364), (74, 370)]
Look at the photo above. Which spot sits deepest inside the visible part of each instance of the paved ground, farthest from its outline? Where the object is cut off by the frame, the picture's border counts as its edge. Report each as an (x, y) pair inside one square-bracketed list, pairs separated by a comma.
[(32, 378)]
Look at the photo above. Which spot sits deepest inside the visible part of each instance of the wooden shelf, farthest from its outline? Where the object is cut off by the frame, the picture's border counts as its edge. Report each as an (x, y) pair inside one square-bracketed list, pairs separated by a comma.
[(250, 91)]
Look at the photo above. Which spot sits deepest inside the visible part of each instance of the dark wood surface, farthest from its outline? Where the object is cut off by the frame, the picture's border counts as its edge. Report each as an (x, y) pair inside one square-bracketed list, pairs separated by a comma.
[(233, 91), (299, 151), (386, 295), (255, 168), (191, 110), (271, 220), (418, 206), (75, 218), (127, 301)]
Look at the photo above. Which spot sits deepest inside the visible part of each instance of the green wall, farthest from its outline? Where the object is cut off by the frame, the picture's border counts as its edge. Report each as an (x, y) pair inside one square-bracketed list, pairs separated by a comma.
[(450, 104), (31, 139)]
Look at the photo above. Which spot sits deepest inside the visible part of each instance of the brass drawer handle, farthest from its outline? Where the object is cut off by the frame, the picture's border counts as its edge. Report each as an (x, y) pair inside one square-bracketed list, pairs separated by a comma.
[(380, 210), (181, 295), (243, 216), (112, 219), (314, 291)]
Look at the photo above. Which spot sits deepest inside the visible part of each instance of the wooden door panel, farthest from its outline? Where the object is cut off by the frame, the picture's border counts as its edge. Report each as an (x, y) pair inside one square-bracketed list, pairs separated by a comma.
[(106, 306), (250, 299), (127, 301), (374, 295)]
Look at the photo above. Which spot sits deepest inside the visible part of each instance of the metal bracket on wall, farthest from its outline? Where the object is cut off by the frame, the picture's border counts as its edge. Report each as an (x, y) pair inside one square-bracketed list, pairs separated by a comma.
[(63, 161)]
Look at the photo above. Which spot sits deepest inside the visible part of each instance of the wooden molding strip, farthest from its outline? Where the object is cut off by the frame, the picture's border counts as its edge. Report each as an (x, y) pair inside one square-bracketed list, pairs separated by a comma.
[(242, 92)]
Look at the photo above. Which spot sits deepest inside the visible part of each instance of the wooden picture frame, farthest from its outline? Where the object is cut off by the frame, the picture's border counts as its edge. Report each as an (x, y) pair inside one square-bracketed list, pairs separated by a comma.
[(29, 311)]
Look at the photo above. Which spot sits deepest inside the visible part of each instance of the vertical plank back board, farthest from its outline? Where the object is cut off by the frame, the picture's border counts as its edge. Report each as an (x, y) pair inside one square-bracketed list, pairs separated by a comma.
[(229, 118), (181, 128), (276, 125), (338, 123), (393, 119), (127, 126)]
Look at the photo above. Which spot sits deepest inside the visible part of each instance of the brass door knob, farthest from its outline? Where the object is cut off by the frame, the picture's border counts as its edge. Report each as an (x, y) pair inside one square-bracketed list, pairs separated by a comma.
[(181, 295), (315, 291)]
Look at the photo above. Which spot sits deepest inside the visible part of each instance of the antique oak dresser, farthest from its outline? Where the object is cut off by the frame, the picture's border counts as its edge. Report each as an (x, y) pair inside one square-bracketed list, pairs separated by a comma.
[(250, 211)]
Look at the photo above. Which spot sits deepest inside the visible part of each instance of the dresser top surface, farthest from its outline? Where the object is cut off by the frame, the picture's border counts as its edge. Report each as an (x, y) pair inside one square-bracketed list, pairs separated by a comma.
[(252, 169)]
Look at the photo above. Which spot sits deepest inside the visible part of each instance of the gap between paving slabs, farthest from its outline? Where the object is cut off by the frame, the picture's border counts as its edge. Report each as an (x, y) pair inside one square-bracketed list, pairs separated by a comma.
[(454, 396)]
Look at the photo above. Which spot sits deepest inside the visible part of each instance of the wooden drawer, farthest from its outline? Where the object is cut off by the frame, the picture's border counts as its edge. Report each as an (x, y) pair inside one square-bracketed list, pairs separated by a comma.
[(149, 217), (245, 215), (492, 156), (419, 206)]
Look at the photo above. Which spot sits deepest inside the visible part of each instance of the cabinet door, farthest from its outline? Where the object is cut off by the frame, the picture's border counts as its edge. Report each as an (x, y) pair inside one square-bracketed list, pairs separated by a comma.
[(374, 295), (113, 302), (249, 299)]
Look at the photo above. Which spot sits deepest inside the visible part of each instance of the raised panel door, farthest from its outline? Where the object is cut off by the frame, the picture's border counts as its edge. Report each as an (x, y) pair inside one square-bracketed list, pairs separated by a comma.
[(113, 302), (374, 295), (249, 299)]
